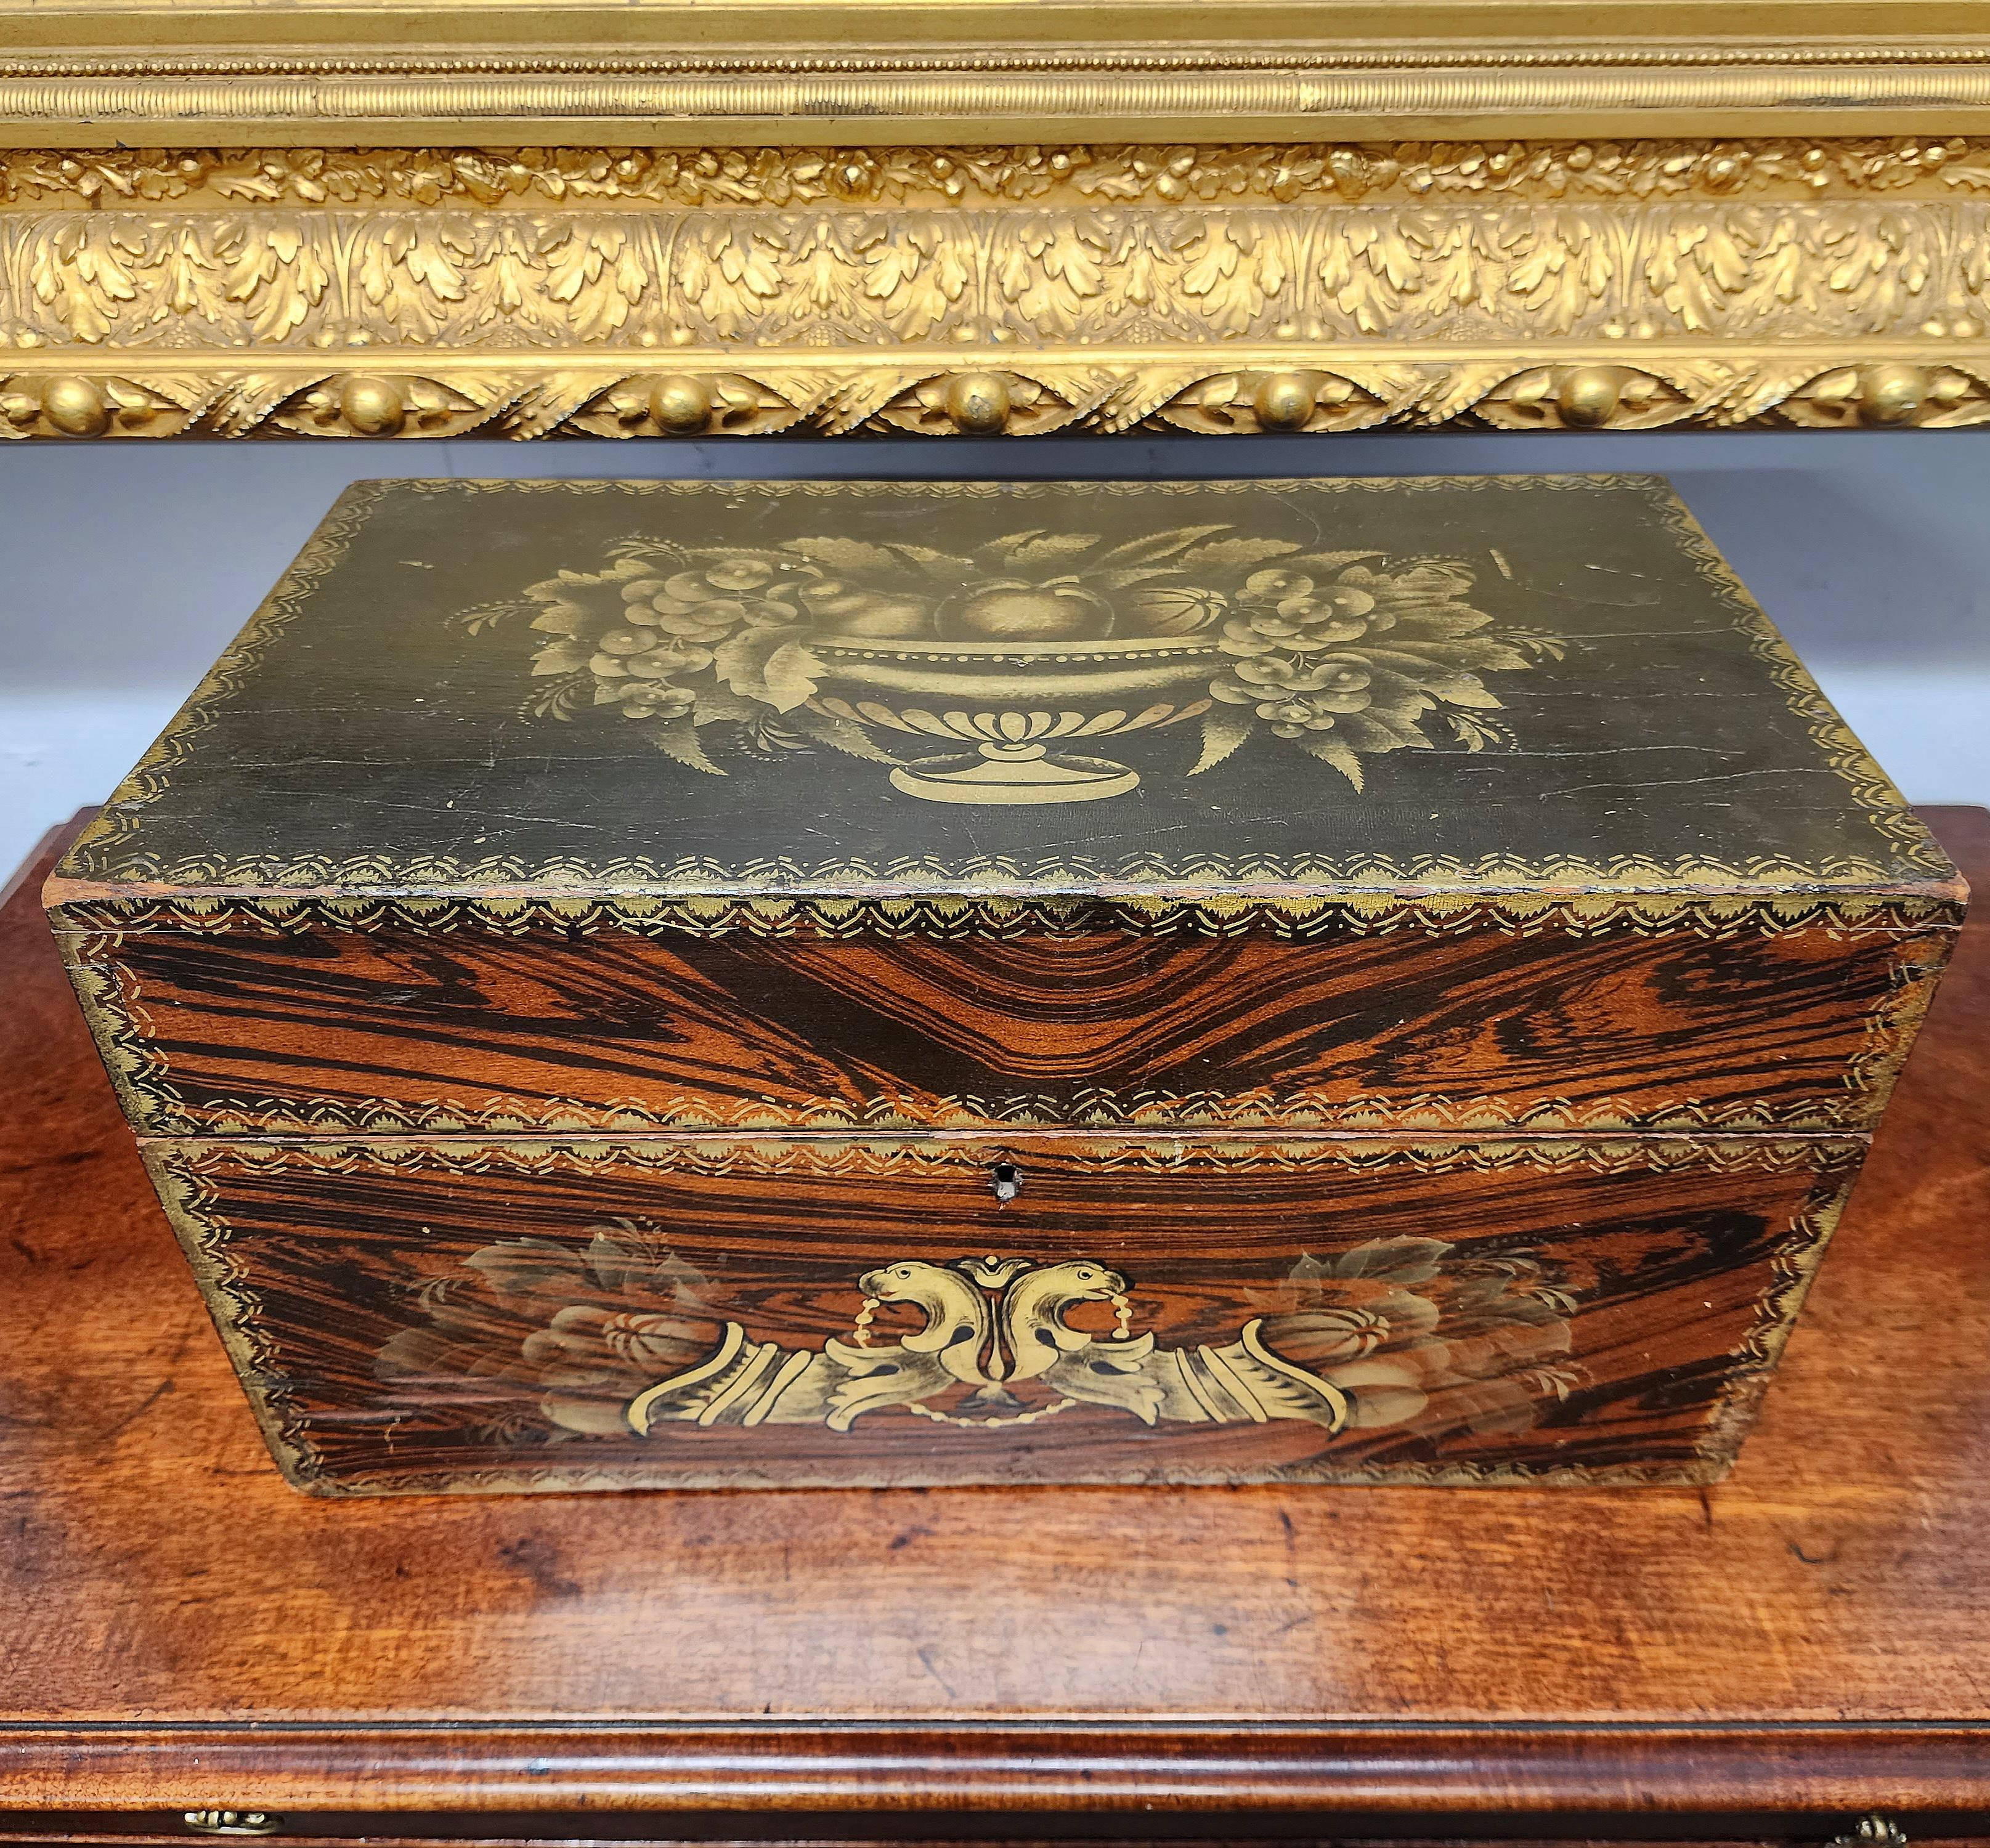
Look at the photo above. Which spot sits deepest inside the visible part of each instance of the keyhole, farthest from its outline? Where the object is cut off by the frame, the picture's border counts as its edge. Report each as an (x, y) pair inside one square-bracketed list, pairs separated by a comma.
[(1007, 1181)]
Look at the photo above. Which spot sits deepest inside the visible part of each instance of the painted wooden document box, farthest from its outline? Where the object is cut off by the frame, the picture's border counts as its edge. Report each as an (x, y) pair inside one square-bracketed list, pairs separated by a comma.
[(644, 983)]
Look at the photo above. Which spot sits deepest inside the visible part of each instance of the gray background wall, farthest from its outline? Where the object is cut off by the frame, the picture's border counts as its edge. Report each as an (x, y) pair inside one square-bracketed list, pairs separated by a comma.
[(124, 569)]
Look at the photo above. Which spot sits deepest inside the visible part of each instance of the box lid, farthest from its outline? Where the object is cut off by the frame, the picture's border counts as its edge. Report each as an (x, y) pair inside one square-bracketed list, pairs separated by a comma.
[(730, 699)]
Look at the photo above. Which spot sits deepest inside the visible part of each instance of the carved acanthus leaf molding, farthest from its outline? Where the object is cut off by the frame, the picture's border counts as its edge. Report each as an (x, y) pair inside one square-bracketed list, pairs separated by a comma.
[(1557, 285)]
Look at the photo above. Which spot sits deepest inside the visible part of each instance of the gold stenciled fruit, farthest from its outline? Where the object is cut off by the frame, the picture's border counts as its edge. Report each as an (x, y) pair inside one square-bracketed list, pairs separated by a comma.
[(1176, 609), (843, 610), (1012, 610)]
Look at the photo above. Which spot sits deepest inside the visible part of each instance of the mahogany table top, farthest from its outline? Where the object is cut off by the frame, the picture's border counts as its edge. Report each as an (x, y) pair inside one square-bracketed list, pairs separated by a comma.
[(1811, 1637)]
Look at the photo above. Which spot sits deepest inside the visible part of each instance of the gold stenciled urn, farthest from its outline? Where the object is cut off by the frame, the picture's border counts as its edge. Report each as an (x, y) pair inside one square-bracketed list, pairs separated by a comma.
[(1012, 657), (1020, 669), (1023, 707)]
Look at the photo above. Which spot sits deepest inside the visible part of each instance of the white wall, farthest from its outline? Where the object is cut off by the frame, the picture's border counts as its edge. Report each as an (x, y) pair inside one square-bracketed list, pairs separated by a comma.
[(124, 568)]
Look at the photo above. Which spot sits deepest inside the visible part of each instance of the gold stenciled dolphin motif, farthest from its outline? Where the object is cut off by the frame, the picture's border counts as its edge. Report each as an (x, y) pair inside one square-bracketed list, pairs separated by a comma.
[(990, 1324), (1033, 1307), (959, 1317), (748, 1384)]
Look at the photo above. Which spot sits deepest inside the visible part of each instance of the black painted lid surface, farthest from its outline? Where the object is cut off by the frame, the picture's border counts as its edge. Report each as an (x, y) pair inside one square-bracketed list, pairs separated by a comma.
[(1194, 690)]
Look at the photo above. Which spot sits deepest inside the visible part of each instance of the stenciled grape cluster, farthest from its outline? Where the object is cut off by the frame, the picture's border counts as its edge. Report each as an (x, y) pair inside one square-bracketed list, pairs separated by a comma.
[(1287, 640), (670, 626)]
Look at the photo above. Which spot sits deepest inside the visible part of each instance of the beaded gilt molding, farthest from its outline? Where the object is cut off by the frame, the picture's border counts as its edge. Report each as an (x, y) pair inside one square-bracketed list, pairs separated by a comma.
[(983, 291)]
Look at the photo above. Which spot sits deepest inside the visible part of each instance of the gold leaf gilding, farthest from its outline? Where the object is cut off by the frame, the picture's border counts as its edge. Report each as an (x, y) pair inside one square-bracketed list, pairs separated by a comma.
[(998, 290)]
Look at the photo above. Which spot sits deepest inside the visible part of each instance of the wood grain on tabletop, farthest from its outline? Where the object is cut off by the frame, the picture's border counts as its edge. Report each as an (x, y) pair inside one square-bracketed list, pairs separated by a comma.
[(157, 1567)]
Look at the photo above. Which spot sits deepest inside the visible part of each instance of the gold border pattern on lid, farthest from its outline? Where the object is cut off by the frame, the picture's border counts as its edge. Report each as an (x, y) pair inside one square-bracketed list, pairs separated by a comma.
[(108, 882)]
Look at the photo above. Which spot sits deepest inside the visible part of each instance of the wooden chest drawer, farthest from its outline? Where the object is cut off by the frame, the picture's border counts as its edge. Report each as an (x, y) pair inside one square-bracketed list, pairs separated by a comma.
[(1056, 1307)]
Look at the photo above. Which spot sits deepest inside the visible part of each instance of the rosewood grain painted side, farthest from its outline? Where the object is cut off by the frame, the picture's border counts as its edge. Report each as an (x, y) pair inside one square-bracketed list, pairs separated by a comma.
[(1689, 1024), (1772, 1657), (424, 1316)]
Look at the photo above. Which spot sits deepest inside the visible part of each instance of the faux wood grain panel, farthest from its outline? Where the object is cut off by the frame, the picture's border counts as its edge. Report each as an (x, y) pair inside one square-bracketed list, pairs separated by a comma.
[(727, 1314), (334, 1031)]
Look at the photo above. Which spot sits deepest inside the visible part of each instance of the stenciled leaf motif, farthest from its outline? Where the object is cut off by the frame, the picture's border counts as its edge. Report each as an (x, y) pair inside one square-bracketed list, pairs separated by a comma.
[(773, 666), (1224, 727), (564, 700), (1157, 545), (1403, 1259), (562, 657), (1379, 730), (518, 1264), (790, 676), (1330, 749), (1484, 653), (1477, 734), (678, 738), (1224, 554), (944, 566), (1430, 669), (719, 705), (1031, 547), (844, 554), (631, 1255), (835, 733), (1332, 562)]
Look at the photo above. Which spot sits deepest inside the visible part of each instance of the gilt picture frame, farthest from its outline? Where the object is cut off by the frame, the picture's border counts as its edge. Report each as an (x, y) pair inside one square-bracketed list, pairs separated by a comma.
[(530, 218)]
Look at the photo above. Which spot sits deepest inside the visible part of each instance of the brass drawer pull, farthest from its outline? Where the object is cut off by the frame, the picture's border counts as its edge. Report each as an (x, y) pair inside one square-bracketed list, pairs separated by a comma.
[(233, 1821)]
